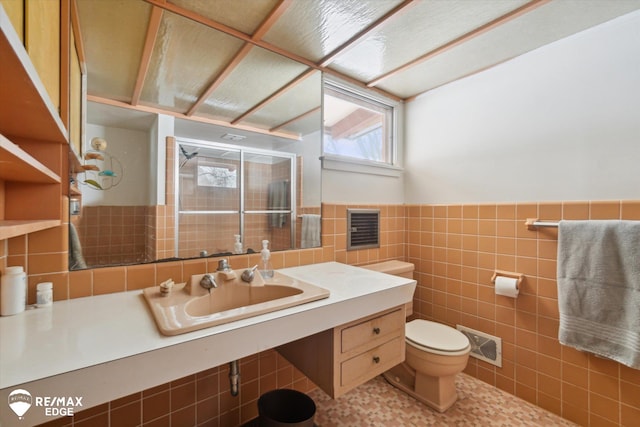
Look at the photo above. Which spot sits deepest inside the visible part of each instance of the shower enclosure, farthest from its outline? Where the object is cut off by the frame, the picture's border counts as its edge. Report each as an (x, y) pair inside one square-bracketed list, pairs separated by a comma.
[(226, 190)]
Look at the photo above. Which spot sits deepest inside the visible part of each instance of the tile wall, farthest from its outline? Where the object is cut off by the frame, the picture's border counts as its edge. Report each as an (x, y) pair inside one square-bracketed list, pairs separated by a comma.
[(455, 249), (113, 234)]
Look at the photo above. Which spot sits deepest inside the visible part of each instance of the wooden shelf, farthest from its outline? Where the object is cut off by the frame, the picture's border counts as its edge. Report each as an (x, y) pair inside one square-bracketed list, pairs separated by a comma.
[(13, 228), (32, 135), (75, 164), (25, 101), (20, 166)]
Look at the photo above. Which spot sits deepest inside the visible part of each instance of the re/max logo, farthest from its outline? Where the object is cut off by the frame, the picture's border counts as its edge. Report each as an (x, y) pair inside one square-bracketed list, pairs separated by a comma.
[(58, 401)]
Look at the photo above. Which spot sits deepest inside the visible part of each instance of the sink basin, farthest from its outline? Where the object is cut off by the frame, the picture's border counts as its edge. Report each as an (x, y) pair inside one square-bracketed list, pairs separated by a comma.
[(230, 297), (189, 307)]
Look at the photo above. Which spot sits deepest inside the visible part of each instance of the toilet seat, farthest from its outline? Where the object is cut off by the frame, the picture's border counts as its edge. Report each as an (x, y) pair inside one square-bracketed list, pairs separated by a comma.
[(436, 338)]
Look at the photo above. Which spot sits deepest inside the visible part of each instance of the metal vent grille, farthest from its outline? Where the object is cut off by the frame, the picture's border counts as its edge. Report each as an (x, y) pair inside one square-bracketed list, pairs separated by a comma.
[(363, 228), (483, 346)]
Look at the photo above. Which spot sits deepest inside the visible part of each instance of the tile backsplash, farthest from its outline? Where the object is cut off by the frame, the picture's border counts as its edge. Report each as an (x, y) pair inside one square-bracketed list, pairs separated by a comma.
[(455, 249)]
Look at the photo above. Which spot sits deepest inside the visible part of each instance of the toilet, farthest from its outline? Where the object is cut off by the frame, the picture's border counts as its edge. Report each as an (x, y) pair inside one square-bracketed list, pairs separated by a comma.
[(435, 354)]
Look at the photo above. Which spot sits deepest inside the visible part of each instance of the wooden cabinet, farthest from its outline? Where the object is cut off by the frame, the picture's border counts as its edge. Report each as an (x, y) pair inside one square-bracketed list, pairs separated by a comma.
[(33, 143), (342, 358)]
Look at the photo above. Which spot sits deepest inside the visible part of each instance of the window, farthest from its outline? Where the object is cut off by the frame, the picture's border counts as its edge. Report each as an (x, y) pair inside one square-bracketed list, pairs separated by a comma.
[(357, 127)]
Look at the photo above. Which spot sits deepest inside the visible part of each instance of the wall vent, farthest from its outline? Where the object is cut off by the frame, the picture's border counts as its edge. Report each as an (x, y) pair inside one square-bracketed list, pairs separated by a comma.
[(484, 346), (363, 229)]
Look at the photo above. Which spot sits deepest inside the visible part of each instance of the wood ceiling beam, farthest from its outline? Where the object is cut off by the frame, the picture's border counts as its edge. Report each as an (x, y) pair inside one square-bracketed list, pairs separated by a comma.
[(241, 54), (145, 60), (526, 8), (155, 110), (362, 34), (270, 20), (185, 13), (275, 95)]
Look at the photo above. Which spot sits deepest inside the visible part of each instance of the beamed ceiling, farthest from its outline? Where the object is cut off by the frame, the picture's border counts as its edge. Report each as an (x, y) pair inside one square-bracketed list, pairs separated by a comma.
[(256, 64)]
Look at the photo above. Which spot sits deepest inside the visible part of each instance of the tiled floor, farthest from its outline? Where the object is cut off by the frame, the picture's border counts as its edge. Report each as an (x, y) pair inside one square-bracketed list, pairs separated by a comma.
[(377, 403)]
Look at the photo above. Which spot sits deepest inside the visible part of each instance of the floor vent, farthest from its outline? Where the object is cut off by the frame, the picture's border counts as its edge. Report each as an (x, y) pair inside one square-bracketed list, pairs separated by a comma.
[(484, 346), (363, 228)]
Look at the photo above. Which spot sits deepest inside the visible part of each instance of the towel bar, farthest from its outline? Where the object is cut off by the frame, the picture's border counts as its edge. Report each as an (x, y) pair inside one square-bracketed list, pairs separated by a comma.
[(533, 223)]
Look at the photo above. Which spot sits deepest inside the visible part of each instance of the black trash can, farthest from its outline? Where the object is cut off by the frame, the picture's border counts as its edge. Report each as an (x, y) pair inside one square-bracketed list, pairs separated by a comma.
[(286, 408)]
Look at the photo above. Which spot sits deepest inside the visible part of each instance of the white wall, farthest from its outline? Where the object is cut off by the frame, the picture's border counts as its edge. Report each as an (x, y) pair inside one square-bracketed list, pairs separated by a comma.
[(162, 128), (310, 150), (559, 123), (360, 188), (131, 148)]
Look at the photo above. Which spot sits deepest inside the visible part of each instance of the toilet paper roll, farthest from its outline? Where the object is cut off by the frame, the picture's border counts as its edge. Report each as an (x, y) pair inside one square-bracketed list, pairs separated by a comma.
[(507, 286)]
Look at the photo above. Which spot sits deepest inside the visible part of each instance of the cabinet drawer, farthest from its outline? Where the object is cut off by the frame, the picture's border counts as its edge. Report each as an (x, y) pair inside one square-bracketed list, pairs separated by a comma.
[(372, 331), (373, 362)]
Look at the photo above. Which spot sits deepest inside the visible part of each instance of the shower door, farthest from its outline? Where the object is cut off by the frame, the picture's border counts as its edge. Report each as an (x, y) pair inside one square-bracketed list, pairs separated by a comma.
[(269, 202), (225, 190)]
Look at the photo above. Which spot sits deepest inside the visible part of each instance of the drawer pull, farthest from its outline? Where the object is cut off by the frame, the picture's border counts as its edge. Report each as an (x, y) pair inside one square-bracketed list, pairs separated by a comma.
[(376, 359), (376, 331)]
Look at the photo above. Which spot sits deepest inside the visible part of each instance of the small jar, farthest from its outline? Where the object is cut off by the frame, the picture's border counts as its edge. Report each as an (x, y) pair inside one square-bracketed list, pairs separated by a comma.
[(44, 294)]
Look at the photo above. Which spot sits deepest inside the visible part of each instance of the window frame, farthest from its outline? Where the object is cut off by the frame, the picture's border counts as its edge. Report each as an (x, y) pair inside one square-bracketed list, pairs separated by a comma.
[(333, 161)]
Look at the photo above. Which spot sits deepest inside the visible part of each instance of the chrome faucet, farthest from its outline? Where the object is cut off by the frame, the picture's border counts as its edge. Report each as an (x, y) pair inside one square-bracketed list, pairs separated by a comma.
[(223, 265), (208, 282)]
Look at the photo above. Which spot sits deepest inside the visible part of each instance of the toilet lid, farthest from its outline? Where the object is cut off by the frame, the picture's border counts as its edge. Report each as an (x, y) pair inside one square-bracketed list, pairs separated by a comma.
[(435, 335)]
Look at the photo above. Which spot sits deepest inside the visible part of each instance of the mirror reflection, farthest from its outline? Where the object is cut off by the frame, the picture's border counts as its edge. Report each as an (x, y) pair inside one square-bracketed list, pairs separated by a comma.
[(230, 183), (165, 77), (231, 198)]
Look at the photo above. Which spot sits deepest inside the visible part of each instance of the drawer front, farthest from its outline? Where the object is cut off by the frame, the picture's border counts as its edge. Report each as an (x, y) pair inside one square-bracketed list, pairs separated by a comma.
[(373, 331), (367, 365)]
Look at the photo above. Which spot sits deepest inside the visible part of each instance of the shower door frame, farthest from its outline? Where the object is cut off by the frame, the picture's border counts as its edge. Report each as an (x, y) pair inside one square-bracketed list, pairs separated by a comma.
[(241, 208)]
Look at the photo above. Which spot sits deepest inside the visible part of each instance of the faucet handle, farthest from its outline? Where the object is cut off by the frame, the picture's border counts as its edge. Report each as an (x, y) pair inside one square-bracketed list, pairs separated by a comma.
[(208, 282), (223, 265)]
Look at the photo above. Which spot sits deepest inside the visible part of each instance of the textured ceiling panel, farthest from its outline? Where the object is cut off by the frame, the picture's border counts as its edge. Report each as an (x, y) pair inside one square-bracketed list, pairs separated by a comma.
[(306, 125), (541, 26), (245, 87), (186, 58), (301, 98), (243, 15), (433, 23), (113, 36), (313, 29)]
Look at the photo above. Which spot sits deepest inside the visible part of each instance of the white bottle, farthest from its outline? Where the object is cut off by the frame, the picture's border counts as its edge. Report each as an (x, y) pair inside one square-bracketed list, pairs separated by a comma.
[(237, 247), (267, 270), (13, 291)]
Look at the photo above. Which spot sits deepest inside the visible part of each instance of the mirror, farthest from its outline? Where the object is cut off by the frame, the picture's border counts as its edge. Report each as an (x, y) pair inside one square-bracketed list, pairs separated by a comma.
[(130, 222), (202, 88)]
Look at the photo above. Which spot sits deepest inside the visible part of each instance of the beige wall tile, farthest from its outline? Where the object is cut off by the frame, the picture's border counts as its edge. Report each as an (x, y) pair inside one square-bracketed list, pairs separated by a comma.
[(109, 280)]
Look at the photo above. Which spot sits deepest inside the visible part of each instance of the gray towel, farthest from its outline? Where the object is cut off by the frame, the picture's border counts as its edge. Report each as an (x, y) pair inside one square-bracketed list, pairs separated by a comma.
[(599, 288), (278, 200), (310, 234), (76, 260)]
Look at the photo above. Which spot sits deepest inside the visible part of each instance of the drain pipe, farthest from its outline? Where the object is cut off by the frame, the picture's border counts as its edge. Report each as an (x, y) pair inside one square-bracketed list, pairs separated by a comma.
[(234, 377)]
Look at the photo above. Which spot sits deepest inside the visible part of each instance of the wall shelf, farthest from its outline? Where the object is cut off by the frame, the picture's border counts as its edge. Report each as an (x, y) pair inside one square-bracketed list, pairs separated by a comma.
[(33, 140), (24, 99), (13, 228), (20, 166)]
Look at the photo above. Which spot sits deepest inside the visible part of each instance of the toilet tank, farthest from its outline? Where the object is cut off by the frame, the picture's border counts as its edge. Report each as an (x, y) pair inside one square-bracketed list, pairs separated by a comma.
[(396, 268)]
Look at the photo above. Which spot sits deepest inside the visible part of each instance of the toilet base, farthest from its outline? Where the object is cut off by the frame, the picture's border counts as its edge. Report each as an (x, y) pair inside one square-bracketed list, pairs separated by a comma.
[(438, 393)]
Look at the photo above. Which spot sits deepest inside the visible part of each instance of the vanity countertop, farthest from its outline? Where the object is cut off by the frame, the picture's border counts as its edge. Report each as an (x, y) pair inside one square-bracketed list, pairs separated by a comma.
[(108, 346)]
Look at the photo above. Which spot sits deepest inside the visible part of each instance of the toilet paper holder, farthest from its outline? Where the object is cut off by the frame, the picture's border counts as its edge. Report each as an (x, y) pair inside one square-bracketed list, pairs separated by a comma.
[(518, 276)]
